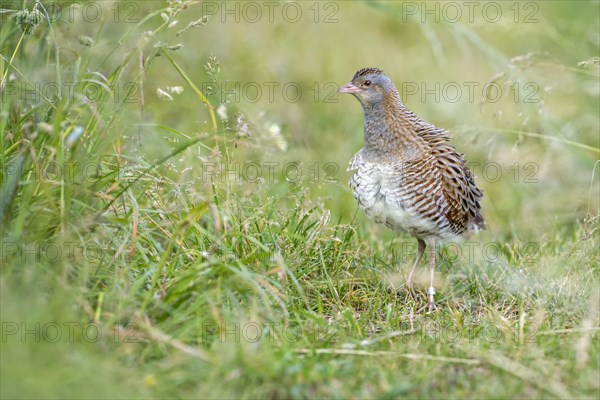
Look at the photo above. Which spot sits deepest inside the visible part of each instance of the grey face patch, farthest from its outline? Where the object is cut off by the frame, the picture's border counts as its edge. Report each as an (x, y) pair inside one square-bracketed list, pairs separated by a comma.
[(375, 92)]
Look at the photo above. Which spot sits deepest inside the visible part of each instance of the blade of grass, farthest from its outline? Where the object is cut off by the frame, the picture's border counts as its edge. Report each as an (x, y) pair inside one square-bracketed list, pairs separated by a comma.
[(150, 169), (540, 136), (198, 92)]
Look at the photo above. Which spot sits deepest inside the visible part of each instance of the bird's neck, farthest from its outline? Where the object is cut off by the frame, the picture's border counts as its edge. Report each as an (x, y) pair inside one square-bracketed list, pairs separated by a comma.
[(375, 123), (390, 128)]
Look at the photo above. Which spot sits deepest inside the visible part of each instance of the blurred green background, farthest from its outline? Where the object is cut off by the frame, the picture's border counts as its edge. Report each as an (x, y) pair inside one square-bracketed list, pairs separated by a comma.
[(249, 219)]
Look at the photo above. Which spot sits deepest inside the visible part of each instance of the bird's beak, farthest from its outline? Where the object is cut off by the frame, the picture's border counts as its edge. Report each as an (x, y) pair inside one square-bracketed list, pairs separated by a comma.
[(349, 88)]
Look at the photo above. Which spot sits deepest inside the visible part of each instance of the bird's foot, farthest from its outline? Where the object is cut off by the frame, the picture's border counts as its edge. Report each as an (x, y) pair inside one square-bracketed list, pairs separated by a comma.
[(411, 291), (431, 307)]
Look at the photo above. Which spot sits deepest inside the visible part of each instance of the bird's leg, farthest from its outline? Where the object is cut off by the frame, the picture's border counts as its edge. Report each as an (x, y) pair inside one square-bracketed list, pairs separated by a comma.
[(431, 290), (421, 251)]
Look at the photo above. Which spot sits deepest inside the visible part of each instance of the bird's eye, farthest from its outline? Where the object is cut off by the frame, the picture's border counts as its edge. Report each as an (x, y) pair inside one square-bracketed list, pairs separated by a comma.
[(367, 83)]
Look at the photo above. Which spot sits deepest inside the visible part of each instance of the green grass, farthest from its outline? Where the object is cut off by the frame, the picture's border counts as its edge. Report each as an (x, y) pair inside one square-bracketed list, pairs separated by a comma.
[(153, 248)]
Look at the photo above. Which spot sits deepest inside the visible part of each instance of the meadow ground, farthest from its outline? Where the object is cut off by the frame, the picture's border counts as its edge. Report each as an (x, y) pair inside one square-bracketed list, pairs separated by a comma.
[(176, 220)]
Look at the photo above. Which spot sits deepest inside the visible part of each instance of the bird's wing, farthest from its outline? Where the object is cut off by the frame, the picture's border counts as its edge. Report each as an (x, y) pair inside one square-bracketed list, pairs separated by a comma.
[(458, 183)]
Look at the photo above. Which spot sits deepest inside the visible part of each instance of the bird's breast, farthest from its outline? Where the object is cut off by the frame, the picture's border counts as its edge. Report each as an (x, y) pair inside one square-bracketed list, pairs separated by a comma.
[(380, 193)]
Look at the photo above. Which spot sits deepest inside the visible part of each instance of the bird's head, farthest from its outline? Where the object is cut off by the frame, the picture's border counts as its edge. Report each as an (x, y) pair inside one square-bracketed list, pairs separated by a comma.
[(369, 86)]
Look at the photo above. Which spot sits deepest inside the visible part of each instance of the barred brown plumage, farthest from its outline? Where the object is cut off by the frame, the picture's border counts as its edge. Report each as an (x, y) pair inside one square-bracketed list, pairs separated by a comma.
[(408, 176)]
